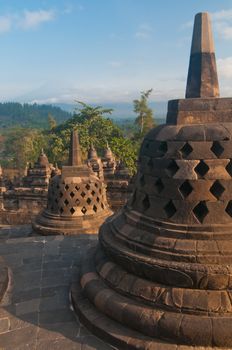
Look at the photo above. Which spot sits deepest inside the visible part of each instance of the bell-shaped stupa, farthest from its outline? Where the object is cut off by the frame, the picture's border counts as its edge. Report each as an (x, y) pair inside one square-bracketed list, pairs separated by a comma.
[(108, 162), (76, 199), (161, 276), (95, 162)]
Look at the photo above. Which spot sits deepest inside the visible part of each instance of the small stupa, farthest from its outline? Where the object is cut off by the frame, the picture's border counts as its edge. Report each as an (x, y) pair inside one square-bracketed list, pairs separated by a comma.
[(108, 161), (95, 162), (39, 174), (76, 198), (161, 275)]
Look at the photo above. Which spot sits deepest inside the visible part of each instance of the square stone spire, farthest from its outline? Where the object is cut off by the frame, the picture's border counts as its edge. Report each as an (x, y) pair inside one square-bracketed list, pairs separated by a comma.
[(75, 156), (202, 75)]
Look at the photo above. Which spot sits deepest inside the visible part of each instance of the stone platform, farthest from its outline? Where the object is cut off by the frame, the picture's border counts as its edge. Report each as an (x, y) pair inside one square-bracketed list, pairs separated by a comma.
[(35, 313)]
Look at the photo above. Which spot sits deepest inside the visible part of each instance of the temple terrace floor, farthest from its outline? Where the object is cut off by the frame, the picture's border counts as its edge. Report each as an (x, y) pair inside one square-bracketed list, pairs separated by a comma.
[(35, 313)]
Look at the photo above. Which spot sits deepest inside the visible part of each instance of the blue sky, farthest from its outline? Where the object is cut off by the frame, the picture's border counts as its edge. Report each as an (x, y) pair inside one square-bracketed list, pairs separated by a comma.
[(104, 50)]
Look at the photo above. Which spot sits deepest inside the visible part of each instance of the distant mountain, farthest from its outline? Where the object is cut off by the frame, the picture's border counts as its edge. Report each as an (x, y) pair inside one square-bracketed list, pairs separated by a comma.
[(124, 110), (30, 115), (36, 116)]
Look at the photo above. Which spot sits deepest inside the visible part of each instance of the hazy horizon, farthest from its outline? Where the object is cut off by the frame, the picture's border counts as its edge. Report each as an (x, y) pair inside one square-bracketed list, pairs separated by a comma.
[(104, 52)]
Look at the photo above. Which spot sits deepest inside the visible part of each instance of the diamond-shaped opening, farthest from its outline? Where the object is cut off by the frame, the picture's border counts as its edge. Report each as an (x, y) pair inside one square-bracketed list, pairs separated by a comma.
[(84, 210), (200, 211), (217, 148), (147, 145), (229, 208), (83, 194), (66, 187), (150, 163), (93, 193), (170, 209), (159, 185), (186, 149), (66, 202), (61, 210), (72, 194), (77, 201), (96, 185), (77, 188), (186, 188), (61, 194), (133, 199), (146, 202), (163, 147), (142, 180), (100, 191), (172, 168), (229, 168), (87, 187), (88, 200), (95, 208), (102, 205), (201, 169), (72, 211), (217, 189), (98, 199)]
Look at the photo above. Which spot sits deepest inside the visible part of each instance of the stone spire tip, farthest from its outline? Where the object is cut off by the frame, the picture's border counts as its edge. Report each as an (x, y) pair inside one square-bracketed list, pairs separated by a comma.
[(202, 75), (75, 156)]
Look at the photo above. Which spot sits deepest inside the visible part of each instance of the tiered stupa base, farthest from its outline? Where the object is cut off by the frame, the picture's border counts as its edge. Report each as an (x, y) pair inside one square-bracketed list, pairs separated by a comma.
[(51, 224), (103, 301)]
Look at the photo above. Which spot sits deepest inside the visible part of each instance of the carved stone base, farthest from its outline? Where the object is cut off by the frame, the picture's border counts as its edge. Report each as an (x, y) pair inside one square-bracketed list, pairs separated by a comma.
[(51, 224), (117, 307)]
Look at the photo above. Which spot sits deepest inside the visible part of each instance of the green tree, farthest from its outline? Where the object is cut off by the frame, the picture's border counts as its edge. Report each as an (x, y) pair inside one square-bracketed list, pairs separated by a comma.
[(145, 120), (93, 127), (21, 146), (51, 122)]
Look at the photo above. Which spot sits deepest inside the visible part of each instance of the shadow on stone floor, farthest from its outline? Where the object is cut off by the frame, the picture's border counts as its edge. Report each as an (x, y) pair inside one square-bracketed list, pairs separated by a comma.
[(36, 313)]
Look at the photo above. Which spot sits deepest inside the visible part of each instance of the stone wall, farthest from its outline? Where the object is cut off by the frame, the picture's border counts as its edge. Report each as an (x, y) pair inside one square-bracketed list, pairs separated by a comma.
[(21, 205)]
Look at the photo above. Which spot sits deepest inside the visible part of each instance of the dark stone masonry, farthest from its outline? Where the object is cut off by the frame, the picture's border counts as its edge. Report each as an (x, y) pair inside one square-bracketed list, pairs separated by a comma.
[(76, 199), (35, 313), (161, 274)]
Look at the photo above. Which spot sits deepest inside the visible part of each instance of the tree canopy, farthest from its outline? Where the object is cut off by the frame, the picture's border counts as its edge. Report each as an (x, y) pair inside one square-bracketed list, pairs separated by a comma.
[(145, 119), (23, 144)]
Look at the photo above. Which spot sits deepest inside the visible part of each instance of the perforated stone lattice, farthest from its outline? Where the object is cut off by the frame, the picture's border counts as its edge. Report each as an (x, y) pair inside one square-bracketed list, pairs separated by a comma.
[(208, 178), (73, 200)]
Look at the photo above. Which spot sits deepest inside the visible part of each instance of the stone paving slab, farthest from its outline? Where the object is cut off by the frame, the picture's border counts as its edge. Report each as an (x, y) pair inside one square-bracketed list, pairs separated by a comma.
[(35, 313)]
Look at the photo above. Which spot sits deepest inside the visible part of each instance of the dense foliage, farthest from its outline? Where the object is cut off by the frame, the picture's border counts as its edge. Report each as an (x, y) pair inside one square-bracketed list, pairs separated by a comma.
[(21, 145), (29, 115), (93, 128)]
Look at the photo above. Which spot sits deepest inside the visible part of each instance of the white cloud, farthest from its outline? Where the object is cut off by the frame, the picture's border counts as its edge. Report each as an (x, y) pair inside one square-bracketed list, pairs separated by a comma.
[(25, 20), (32, 19), (144, 31), (225, 67), (222, 15), (223, 23), (5, 24), (115, 64)]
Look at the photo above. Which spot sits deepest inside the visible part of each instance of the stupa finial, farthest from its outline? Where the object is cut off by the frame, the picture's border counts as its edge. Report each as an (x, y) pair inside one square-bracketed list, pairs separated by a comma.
[(202, 75), (75, 155)]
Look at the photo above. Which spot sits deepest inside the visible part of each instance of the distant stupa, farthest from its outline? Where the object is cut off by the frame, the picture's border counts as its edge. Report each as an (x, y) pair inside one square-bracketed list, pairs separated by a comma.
[(76, 198)]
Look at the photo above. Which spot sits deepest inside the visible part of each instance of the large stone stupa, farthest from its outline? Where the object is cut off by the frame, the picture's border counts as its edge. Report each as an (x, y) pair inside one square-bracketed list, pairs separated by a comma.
[(161, 276), (76, 199)]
